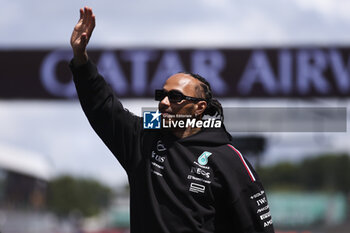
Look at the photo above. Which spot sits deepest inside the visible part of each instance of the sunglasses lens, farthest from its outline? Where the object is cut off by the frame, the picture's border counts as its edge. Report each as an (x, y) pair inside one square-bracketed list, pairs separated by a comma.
[(175, 96), (159, 95)]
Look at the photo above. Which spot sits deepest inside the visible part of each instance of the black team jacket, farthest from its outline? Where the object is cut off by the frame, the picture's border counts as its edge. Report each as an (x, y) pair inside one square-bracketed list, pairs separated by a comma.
[(197, 184)]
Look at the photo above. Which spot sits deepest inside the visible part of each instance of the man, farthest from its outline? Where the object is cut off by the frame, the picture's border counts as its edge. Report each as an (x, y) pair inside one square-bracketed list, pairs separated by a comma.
[(181, 179)]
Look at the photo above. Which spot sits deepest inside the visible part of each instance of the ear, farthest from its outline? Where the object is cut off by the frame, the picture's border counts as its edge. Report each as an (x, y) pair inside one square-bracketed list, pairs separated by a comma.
[(201, 106)]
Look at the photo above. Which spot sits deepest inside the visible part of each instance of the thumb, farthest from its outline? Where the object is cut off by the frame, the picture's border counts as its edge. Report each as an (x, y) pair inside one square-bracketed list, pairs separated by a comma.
[(83, 38)]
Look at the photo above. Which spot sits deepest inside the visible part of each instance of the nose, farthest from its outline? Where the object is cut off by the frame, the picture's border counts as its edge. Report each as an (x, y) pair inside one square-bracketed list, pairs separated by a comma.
[(164, 103)]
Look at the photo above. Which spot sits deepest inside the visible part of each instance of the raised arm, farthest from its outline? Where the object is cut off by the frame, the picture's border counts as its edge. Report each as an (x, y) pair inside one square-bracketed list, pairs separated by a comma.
[(81, 35), (119, 129)]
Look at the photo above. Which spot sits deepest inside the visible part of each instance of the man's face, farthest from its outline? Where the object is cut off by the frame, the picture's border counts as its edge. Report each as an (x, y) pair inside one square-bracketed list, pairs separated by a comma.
[(185, 84)]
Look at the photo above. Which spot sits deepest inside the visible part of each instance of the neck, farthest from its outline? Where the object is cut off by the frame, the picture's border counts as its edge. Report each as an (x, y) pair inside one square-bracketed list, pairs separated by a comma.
[(183, 133)]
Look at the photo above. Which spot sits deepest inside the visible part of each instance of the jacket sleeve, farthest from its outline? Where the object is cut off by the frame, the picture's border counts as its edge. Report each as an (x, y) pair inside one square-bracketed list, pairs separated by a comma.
[(251, 210), (246, 204), (119, 129)]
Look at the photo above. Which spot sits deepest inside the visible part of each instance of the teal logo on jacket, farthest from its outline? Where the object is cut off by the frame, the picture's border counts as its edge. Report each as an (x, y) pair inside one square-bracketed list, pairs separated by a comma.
[(203, 158)]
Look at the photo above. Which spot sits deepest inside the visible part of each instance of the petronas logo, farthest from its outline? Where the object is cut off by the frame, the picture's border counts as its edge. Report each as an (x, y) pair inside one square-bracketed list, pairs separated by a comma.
[(203, 158)]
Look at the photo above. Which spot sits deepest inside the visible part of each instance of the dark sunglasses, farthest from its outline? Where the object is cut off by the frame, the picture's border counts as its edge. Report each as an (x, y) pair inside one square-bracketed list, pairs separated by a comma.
[(173, 96)]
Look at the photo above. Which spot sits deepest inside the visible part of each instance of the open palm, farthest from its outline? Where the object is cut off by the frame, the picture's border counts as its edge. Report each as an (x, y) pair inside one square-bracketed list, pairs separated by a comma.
[(82, 31)]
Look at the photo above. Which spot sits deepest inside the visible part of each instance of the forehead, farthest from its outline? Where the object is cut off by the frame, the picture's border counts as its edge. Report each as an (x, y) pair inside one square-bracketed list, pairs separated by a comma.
[(182, 82)]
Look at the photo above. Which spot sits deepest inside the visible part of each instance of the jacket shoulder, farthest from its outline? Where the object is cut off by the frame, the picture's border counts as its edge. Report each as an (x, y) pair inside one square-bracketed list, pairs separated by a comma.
[(232, 163)]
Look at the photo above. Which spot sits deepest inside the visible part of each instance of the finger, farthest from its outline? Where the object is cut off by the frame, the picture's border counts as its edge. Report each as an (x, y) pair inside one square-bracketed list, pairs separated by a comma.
[(89, 15), (89, 11), (85, 19), (90, 27), (93, 22), (81, 11)]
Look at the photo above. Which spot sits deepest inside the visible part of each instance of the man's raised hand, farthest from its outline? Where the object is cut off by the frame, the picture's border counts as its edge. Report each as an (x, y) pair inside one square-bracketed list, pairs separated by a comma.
[(81, 35)]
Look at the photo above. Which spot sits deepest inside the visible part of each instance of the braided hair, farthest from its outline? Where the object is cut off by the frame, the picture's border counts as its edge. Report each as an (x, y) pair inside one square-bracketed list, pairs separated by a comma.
[(214, 107)]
